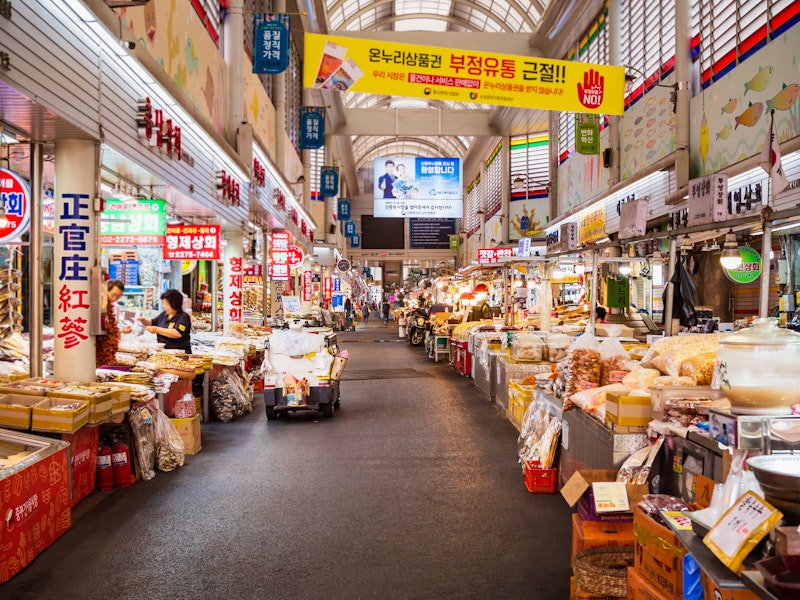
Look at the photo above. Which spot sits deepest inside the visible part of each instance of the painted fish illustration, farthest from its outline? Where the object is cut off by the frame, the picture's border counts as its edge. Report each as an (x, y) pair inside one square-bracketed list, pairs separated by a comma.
[(638, 144), (639, 120), (704, 138), (638, 132), (661, 112), (725, 133), (751, 116), (761, 80), (651, 154), (730, 106), (784, 99), (628, 132), (650, 123), (650, 144), (662, 134), (650, 112), (650, 101), (628, 147), (650, 133), (661, 101)]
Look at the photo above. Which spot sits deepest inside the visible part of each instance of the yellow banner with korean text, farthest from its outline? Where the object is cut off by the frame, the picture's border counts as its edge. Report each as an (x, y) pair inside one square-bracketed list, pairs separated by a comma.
[(379, 67), (592, 224)]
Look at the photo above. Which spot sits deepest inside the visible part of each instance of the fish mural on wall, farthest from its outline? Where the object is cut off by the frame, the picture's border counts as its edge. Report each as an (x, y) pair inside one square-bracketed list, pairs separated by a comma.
[(760, 81), (704, 138), (784, 99), (730, 106), (750, 116), (724, 133)]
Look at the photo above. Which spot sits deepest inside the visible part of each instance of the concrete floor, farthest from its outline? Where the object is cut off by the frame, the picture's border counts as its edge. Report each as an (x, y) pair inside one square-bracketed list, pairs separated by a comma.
[(411, 491)]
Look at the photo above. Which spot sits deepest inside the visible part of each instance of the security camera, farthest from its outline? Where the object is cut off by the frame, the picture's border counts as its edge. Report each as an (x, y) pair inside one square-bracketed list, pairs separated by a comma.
[(128, 45)]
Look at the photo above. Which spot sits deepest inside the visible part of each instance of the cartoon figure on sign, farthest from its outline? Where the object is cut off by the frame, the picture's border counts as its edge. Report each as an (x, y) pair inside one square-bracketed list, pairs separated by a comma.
[(590, 93), (525, 225)]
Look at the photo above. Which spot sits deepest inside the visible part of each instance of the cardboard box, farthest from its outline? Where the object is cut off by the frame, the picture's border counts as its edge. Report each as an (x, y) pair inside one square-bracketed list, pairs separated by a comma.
[(47, 416), (189, 430), (640, 589), (83, 461), (659, 555), (16, 409), (630, 411), (712, 592), (100, 405), (595, 534), (579, 486)]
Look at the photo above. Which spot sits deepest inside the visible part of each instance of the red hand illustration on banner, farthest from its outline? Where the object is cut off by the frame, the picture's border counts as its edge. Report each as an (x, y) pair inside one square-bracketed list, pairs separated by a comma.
[(590, 93)]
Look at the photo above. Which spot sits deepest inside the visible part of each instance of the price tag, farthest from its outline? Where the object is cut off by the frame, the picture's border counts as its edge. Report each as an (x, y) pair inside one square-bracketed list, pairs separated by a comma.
[(678, 519), (610, 496), (738, 527)]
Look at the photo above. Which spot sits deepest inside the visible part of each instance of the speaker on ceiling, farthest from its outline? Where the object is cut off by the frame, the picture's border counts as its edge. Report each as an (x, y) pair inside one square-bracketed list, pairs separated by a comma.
[(332, 229)]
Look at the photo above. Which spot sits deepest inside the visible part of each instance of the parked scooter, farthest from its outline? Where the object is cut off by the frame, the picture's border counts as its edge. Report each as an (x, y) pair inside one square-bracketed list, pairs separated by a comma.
[(417, 326)]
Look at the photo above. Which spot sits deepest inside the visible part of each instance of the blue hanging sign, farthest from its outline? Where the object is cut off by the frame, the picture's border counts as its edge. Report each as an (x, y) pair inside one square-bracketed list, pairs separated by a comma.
[(312, 127), (355, 241), (337, 284), (349, 229), (329, 181), (270, 43), (343, 209)]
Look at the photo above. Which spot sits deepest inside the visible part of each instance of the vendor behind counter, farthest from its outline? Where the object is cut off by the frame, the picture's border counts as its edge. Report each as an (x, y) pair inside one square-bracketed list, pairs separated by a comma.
[(173, 326)]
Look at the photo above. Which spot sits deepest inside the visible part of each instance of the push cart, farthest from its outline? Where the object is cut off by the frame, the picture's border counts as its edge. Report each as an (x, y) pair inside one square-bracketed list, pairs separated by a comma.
[(306, 357)]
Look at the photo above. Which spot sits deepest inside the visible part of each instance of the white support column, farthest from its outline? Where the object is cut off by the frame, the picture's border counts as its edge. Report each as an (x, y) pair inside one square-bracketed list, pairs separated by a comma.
[(683, 66), (214, 288), (615, 58), (73, 258), (766, 262), (233, 271), (669, 301), (35, 286), (279, 102), (233, 49), (595, 295), (505, 206), (265, 307)]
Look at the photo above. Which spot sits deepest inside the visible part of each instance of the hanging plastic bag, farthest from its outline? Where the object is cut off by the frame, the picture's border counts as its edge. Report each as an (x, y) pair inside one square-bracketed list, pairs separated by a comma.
[(582, 370), (144, 439), (322, 363), (185, 408), (170, 449), (615, 362)]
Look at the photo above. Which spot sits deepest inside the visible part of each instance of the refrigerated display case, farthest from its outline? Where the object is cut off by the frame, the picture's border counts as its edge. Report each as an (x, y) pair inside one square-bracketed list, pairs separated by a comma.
[(35, 492)]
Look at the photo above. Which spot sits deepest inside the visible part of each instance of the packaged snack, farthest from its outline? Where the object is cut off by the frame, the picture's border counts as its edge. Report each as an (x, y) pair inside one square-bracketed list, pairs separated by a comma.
[(641, 379), (614, 361), (668, 354), (700, 368), (582, 370)]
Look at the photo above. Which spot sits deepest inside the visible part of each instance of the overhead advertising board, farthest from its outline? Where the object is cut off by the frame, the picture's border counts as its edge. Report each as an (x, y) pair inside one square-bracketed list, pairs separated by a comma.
[(433, 73), (141, 222), (417, 187), (431, 233)]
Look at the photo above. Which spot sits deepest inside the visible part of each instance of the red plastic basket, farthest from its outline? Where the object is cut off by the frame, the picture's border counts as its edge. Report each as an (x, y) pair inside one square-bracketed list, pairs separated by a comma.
[(538, 480)]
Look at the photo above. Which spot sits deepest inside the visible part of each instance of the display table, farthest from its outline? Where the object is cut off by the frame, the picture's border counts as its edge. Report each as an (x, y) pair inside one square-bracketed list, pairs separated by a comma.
[(588, 444), (508, 370), (484, 373), (462, 360)]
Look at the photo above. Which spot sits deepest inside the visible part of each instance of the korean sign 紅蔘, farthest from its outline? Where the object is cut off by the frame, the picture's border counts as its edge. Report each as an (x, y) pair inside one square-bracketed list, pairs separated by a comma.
[(432, 73)]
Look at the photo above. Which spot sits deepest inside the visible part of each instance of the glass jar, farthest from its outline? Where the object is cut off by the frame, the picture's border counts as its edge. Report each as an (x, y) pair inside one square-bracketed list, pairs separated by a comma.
[(759, 369)]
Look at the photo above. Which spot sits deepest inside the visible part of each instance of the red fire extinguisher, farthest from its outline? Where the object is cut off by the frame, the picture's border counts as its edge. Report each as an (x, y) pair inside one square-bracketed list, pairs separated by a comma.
[(121, 463), (105, 476)]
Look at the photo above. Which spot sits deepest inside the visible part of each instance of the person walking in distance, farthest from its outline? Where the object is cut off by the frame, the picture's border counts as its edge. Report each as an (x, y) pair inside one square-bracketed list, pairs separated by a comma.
[(385, 308), (365, 312)]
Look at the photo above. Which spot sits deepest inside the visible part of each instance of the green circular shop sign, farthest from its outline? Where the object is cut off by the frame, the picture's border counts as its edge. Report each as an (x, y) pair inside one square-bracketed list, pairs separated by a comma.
[(750, 268)]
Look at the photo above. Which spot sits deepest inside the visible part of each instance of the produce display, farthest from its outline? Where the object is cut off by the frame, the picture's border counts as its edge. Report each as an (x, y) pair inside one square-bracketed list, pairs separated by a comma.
[(527, 347)]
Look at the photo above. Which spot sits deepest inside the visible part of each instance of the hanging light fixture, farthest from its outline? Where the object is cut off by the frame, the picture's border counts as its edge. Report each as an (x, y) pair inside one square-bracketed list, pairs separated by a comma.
[(731, 258), (624, 269), (580, 267)]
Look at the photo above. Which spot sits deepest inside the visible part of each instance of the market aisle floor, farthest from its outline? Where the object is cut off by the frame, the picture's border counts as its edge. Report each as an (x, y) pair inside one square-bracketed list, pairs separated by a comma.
[(411, 491)]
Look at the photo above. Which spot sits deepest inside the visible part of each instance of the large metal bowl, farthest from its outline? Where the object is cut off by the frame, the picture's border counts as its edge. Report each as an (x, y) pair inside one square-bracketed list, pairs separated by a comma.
[(779, 477)]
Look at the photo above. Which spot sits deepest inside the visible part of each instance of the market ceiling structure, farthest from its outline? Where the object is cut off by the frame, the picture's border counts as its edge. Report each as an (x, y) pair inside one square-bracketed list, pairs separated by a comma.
[(370, 125)]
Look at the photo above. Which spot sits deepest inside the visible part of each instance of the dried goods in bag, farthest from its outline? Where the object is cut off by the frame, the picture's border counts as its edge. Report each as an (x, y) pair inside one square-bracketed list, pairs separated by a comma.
[(615, 363), (229, 398), (144, 439), (170, 449), (185, 407), (582, 369)]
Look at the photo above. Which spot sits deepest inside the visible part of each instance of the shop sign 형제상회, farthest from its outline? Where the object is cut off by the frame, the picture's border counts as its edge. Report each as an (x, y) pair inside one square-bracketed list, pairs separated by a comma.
[(192, 242)]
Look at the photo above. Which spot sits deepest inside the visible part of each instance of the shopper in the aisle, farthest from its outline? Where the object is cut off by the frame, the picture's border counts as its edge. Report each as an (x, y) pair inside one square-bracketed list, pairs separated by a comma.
[(600, 314), (349, 314), (365, 312), (108, 344), (173, 326), (385, 308)]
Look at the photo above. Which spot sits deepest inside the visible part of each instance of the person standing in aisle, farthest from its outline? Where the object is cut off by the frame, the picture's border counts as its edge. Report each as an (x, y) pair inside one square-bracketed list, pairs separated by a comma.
[(173, 326), (348, 315), (365, 312), (108, 344), (385, 308)]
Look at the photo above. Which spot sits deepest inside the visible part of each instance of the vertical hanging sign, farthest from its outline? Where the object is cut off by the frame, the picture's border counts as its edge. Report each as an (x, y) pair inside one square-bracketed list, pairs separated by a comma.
[(312, 127), (234, 300), (587, 133), (355, 241), (74, 255), (327, 288), (343, 209), (307, 285), (349, 229), (329, 181), (270, 43)]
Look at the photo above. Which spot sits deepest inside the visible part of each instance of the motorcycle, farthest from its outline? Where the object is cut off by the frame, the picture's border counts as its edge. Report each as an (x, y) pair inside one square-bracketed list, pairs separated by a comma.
[(417, 326)]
